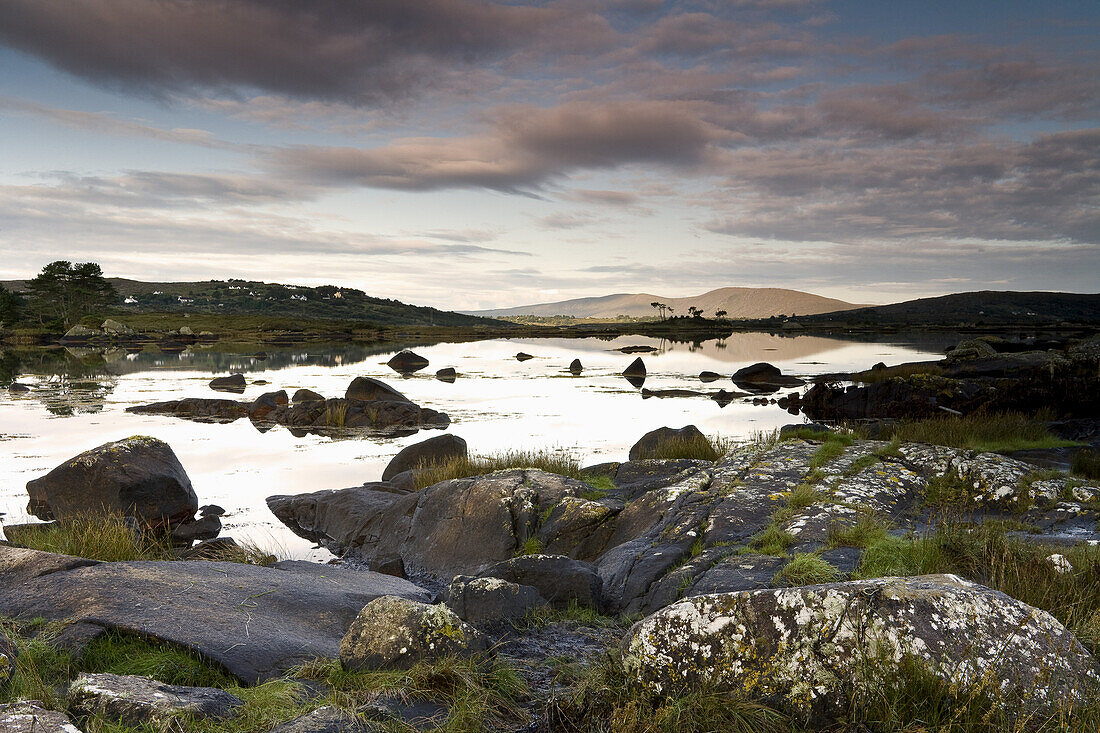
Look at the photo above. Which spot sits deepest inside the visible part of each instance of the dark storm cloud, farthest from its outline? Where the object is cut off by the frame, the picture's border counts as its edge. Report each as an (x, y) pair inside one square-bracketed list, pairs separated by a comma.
[(325, 49), (525, 148)]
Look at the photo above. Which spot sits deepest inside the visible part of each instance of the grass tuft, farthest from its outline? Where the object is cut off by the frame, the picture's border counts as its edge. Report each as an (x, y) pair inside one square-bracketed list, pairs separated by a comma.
[(772, 541), (1086, 464), (868, 530), (807, 569), (552, 461), (998, 433), (697, 448), (831, 449)]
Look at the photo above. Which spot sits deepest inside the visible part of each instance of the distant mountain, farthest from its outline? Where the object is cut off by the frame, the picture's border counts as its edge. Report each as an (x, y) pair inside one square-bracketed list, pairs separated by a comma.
[(739, 303), (250, 297), (989, 307)]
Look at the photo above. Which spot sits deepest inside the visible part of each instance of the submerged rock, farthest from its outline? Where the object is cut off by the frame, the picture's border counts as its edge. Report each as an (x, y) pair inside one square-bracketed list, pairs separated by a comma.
[(807, 650), (406, 362), (636, 368), (396, 633), (136, 700), (232, 383), (137, 477)]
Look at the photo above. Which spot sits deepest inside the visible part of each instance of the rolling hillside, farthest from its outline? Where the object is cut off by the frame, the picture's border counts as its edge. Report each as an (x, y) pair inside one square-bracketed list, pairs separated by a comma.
[(989, 307), (739, 303), (248, 297)]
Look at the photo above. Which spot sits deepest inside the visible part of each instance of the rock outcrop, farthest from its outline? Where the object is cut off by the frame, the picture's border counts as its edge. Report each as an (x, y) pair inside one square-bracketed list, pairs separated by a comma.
[(139, 701), (30, 716), (807, 650)]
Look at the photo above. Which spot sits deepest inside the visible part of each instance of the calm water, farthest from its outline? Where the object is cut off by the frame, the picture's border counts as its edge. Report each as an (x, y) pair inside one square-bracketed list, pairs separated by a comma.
[(78, 401)]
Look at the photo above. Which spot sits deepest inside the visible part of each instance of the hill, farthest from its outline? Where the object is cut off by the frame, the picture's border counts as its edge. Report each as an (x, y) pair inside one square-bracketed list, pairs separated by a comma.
[(250, 297), (739, 303), (985, 307)]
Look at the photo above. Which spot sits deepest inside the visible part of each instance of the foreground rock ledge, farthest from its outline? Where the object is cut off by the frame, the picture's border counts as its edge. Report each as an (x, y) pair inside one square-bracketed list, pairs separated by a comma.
[(806, 650)]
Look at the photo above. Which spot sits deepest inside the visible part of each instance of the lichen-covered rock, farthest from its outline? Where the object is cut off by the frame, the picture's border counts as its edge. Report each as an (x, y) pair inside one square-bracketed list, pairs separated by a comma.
[(806, 650), (80, 333), (138, 477), (490, 600), (396, 633), (138, 700), (29, 716), (114, 328)]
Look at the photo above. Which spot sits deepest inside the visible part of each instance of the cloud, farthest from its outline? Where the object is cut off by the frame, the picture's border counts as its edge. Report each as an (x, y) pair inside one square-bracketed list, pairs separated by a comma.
[(326, 49), (525, 148)]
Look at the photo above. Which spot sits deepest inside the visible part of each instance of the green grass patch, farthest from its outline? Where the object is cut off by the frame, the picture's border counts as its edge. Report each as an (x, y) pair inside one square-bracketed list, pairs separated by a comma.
[(862, 463), (699, 448), (772, 541), (542, 616), (601, 485), (997, 433), (552, 461), (868, 530), (807, 569), (117, 652), (530, 546), (949, 491), (831, 449)]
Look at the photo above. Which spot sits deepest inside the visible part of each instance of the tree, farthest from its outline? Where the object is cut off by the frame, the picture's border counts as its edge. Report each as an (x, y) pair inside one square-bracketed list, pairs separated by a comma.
[(65, 292), (719, 314), (9, 306), (661, 308), (695, 312)]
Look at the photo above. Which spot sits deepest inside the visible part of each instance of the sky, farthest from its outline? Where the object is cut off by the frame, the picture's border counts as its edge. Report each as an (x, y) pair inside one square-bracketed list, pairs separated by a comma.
[(472, 154)]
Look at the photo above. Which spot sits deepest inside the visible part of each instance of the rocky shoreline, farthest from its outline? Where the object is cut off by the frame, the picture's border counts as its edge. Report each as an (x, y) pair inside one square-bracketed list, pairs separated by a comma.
[(794, 573)]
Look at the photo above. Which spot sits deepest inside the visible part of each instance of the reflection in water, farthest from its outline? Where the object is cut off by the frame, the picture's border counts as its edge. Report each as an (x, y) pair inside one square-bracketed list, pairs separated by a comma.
[(497, 404)]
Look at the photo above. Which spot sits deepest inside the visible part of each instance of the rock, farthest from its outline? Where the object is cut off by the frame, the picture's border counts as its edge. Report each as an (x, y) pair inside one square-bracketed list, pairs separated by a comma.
[(133, 700), (267, 403), (416, 713), (211, 549), (138, 477), (80, 333), (8, 653), (638, 349), (709, 376), (232, 383), (651, 443), (878, 366), (115, 328), (790, 431), (575, 367), (521, 356), (306, 395), (490, 600), (560, 580), (29, 716), (439, 449), (195, 408), (447, 374), (406, 362), (450, 528), (368, 389), (396, 633), (185, 331), (18, 388), (763, 377), (972, 349), (636, 368), (327, 719), (256, 622), (337, 414), (723, 398), (800, 649), (205, 528)]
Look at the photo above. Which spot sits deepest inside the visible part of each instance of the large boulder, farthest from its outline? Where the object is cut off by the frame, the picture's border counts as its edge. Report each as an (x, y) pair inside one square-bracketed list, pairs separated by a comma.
[(369, 389), (30, 716), (79, 333), (138, 477), (561, 580), (406, 362), (114, 328), (490, 600), (763, 377), (807, 650), (198, 409), (650, 444), (263, 406), (232, 383), (396, 633), (636, 368), (133, 700), (439, 449), (306, 395), (255, 622)]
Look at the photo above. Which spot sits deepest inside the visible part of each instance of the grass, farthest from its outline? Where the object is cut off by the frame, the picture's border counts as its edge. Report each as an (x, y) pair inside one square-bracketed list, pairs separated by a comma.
[(542, 616), (600, 484), (699, 448), (530, 546), (861, 463), (832, 448), (807, 569), (1086, 464), (111, 538), (902, 370), (772, 541), (868, 530), (998, 433), (552, 461), (949, 491)]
